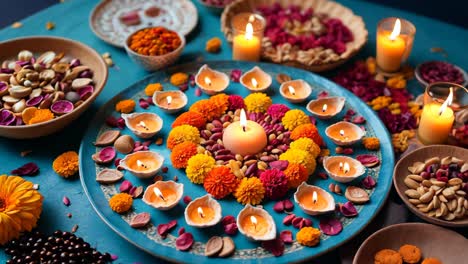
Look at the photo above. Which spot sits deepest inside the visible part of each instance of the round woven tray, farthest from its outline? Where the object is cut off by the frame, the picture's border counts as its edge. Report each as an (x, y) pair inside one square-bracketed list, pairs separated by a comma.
[(332, 9)]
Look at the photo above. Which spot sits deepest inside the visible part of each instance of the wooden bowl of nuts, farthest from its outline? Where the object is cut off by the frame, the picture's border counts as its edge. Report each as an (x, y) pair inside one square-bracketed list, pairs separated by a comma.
[(433, 183), (45, 84), (316, 35)]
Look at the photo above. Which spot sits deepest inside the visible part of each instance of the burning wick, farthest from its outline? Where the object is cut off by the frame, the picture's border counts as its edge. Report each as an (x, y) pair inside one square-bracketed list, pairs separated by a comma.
[(341, 166), (251, 18), (208, 81), (243, 120), (249, 31), (342, 134), (253, 219), (169, 100), (159, 193), (324, 108), (141, 164), (143, 125), (200, 212), (314, 197), (292, 90), (346, 167), (447, 102), (254, 82), (396, 30)]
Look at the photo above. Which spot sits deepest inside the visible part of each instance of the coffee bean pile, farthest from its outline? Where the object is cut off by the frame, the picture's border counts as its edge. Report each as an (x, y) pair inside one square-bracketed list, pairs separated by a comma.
[(61, 247)]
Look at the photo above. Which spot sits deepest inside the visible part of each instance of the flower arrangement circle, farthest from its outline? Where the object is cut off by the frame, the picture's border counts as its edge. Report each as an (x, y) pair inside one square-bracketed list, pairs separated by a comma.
[(196, 144)]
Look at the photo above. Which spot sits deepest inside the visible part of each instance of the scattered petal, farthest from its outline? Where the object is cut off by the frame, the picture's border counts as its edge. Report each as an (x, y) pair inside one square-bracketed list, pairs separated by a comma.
[(231, 229), (275, 246), (347, 209), (126, 186), (66, 201), (286, 236), (368, 182), (368, 160), (28, 169), (187, 199), (184, 242), (140, 220), (287, 220), (330, 226), (198, 92)]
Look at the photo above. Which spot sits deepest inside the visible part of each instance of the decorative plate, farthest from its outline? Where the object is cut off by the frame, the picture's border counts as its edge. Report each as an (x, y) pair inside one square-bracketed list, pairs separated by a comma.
[(247, 252), (180, 16)]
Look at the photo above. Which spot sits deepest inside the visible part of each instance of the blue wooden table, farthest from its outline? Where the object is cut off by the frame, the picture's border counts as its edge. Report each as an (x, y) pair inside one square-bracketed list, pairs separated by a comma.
[(71, 19)]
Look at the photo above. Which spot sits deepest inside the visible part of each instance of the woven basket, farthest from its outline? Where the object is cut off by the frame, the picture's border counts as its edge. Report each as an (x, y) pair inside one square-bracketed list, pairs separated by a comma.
[(332, 9)]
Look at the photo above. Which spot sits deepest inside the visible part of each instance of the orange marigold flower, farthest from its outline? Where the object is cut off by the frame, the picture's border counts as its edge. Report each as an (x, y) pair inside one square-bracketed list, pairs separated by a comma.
[(206, 108), (308, 131), (190, 118), (125, 106), (41, 115), (213, 45), (179, 78), (308, 236), (181, 134), (221, 101), (121, 203), (181, 153), (220, 182), (66, 164), (250, 191), (296, 174), (371, 143), (153, 87)]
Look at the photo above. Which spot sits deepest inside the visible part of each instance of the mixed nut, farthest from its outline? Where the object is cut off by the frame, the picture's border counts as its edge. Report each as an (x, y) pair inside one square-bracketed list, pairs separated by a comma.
[(49, 81), (438, 187)]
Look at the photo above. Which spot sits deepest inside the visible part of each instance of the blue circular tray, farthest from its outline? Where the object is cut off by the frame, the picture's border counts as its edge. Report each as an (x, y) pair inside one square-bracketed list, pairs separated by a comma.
[(247, 252)]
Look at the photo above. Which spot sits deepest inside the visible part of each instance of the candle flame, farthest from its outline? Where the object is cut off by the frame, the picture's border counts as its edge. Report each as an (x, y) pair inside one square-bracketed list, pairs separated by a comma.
[(314, 197), (324, 108), (341, 166), (346, 167), (248, 31), (143, 125), (253, 219), (342, 132), (447, 102), (169, 100), (292, 90), (207, 80), (396, 30), (159, 193), (254, 82), (141, 164), (200, 212), (243, 119), (251, 18)]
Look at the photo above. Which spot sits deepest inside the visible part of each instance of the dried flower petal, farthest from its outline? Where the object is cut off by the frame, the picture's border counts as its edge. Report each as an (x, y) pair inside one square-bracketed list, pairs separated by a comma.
[(286, 236), (287, 220), (347, 209), (187, 199), (330, 226), (140, 220), (368, 160), (184, 242), (126, 186), (235, 75), (279, 207), (288, 205), (275, 246), (230, 229), (279, 164), (368, 182), (181, 231), (28, 169), (66, 201)]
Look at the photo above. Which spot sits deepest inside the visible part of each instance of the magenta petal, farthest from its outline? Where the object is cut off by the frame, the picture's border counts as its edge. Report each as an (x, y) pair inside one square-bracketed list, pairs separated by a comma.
[(6, 117), (107, 154), (228, 219), (143, 103), (358, 120), (322, 94), (126, 186), (348, 209), (34, 101), (28, 169), (286, 236), (368, 160), (198, 92), (275, 246), (330, 226), (62, 107), (184, 242), (279, 207), (288, 205), (85, 92), (235, 75), (368, 182), (279, 164), (66, 201)]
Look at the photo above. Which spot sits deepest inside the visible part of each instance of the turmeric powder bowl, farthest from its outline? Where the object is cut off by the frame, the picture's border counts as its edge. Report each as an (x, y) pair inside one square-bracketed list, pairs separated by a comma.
[(151, 56)]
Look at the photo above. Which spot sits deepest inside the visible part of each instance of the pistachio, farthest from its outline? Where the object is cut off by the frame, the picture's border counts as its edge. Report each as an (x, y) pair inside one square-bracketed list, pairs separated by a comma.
[(48, 89), (449, 217), (10, 99), (455, 181), (430, 161), (19, 91), (25, 55), (435, 202), (19, 106), (438, 183), (410, 183), (46, 58), (61, 67), (80, 83), (446, 161), (448, 193), (47, 75), (442, 198), (414, 201), (417, 168)]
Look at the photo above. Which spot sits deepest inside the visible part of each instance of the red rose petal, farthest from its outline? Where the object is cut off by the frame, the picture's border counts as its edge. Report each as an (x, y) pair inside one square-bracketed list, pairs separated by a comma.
[(287, 220), (184, 242), (230, 229), (330, 226), (286, 236), (347, 209), (187, 199), (288, 205), (228, 219), (368, 182), (279, 207), (28, 169), (275, 246), (368, 160)]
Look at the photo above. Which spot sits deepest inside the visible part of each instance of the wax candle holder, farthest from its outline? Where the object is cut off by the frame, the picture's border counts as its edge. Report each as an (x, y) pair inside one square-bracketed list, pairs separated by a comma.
[(256, 223), (211, 81), (342, 168), (248, 30), (326, 108), (163, 195), (143, 164), (143, 125), (344, 133), (295, 91), (256, 80), (170, 101), (395, 37), (203, 212), (441, 100), (321, 202)]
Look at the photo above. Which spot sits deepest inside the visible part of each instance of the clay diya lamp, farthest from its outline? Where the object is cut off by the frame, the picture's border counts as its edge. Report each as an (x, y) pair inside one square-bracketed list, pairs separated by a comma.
[(210, 81), (170, 101), (143, 125), (344, 133), (342, 168), (326, 108), (256, 80), (295, 91), (314, 200), (143, 164), (256, 224), (203, 212), (163, 195)]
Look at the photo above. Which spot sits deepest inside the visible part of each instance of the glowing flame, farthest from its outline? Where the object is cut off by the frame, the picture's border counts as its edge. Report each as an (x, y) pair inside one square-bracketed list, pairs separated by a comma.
[(314, 197), (141, 164), (447, 102), (396, 30), (169, 100), (292, 90), (341, 165), (251, 18), (324, 108), (253, 219), (207, 80), (243, 119), (249, 31), (342, 132), (200, 212), (254, 82), (159, 193), (346, 167), (143, 125)]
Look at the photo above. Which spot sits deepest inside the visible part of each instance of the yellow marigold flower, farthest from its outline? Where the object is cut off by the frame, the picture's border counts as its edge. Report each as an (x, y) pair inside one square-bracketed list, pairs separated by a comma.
[(294, 118), (306, 144), (153, 87), (125, 106), (394, 106), (181, 134), (371, 143), (396, 111), (300, 157), (257, 102), (371, 65), (308, 236), (250, 191), (221, 102), (121, 203), (207, 108), (213, 45), (179, 78), (397, 82), (198, 166), (380, 102), (20, 207), (66, 164), (40, 116)]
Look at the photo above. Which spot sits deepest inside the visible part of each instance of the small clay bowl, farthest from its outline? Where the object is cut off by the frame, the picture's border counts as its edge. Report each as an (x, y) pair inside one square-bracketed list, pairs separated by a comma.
[(434, 241), (424, 83), (421, 154), (70, 48)]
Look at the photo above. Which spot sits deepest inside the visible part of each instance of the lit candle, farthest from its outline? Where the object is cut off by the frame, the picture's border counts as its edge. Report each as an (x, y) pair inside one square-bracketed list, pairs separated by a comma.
[(141, 164), (203, 212), (255, 223), (207, 81), (163, 195), (295, 91), (314, 200), (159, 194), (247, 46), (436, 121), (256, 80), (344, 133), (340, 167), (254, 83), (253, 219), (170, 101), (211, 81), (143, 125), (244, 137), (324, 108), (343, 168), (200, 212)]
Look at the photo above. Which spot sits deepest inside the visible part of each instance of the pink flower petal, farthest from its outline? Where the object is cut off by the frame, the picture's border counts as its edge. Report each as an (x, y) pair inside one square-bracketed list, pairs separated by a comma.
[(330, 226), (368, 160), (275, 246), (28, 169), (286, 236)]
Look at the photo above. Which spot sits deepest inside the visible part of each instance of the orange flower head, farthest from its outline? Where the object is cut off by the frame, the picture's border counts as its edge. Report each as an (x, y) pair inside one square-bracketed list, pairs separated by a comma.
[(190, 118), (181, 153), (296, 174), (308, 131), (220, 182)]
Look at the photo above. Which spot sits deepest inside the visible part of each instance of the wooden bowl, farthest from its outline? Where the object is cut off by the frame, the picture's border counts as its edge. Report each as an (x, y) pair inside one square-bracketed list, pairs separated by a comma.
[(434, 241), (331, 8), (421, 154), (71, 48)]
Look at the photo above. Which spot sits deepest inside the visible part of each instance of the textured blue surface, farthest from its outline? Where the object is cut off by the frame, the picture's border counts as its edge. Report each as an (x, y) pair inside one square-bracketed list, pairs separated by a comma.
[(71, 20)]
